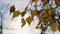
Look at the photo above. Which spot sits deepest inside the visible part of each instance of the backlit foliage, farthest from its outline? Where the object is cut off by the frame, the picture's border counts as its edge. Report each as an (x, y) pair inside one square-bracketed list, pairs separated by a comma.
[(35, 1), (15, 14), (42, 27), (46, 16), (57, 2), (59, 27), (45, 1), (53, 26), (23, 13), (29, 20), (12, 8), (23, 22)]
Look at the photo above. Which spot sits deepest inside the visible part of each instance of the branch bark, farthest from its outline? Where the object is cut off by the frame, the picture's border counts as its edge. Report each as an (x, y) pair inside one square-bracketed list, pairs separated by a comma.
[(1, 22), (43, 31)]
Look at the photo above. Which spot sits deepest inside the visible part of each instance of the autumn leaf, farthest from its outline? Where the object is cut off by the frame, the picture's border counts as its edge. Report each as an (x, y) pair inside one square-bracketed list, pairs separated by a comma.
[(53, 26), (15, 14), (46, 21), (59, 27), (34, 13), (39, 12), (12, 9), (38, 16), (49, 12), (50, 18), (45, 1), (42, 20), (41, 27), (45, 15), (23, 22), (29, 20), (36, 27), (35, 1), (23, 13), (57, 2)]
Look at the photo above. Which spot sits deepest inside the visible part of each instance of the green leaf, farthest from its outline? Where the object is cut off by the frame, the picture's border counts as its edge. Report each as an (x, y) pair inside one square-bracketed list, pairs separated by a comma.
[(15, 14)]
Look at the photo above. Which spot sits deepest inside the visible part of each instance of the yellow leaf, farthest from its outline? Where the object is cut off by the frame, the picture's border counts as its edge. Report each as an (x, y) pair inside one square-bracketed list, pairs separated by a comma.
[(29, 20), (23, 22), (36, 13), (59, 27), (12, 9), (50, 18), (57, 2), (42, 20), (45, 15), (15, 14), (23, 13), (49, 12), (46, 21), (41, 27), (45, 1), (35, 1), (53, 26), (39, 16), (33, 13)]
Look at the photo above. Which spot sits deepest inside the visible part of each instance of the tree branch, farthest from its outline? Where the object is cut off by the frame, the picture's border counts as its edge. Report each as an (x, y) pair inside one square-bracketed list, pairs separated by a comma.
[(43, 31)]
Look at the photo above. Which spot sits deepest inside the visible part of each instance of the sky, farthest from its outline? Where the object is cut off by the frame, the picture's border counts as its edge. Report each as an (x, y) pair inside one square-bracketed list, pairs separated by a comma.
[(14, 26)]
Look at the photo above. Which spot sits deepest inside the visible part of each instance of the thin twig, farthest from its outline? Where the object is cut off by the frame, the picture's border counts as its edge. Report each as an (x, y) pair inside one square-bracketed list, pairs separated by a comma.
[(43, 31), (27, 6)]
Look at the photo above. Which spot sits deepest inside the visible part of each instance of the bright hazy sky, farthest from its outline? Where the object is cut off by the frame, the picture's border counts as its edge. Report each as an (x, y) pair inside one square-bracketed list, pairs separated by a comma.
[(14, 26)]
